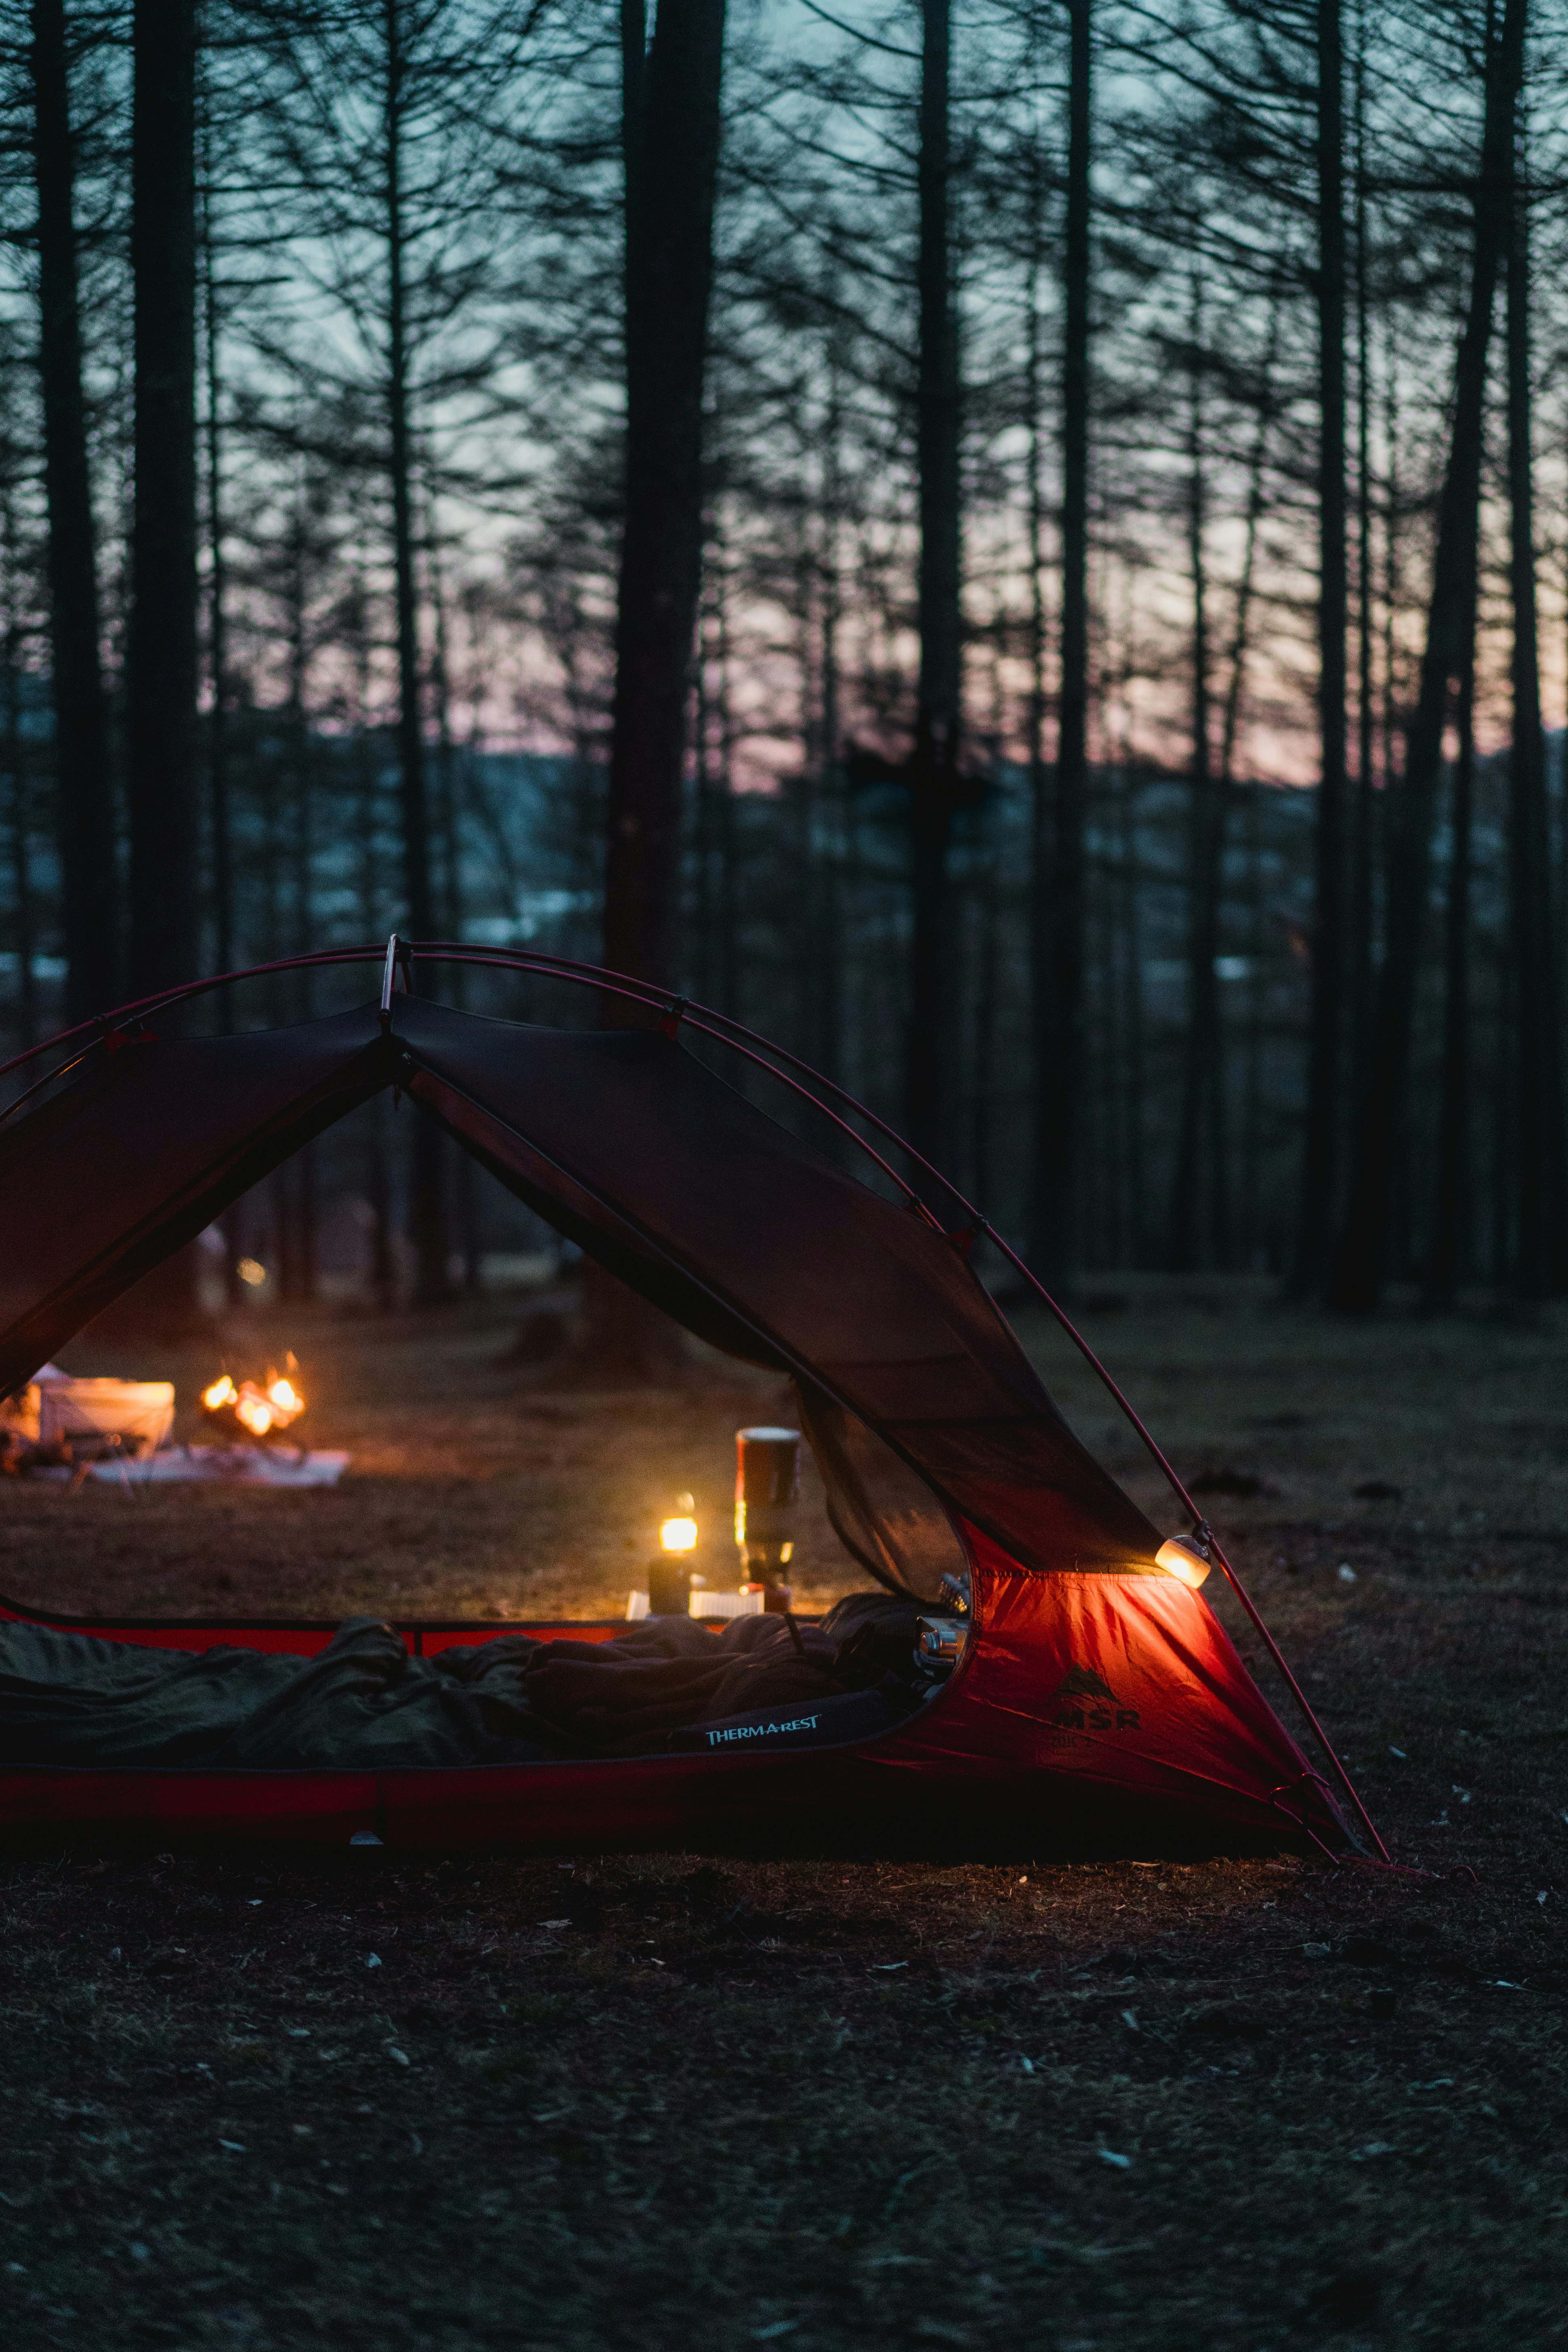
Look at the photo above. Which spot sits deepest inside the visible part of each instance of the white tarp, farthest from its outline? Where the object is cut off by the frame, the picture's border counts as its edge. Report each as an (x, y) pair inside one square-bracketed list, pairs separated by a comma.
[(243, 1465)]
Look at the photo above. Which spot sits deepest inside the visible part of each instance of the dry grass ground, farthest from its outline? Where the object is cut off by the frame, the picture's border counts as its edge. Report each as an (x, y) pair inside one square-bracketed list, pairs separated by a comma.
[(253, 2099)]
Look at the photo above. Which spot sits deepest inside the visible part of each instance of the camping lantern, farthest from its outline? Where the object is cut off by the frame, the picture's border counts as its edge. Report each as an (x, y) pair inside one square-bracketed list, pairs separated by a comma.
[(670, 1572), (767, 1487), (1186, 1557), (678, 1534)]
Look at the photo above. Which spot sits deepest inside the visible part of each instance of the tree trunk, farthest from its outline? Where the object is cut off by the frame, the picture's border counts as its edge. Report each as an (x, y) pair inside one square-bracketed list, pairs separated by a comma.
[(1561, 882), (1034, 399), (381, 1268), (219, 813), (827, 1044), (800, 800), (634, 92), (1255, 1253), (1451, 1221), (1204, 1072), (1361, 1258), (717, 912), (933, 769), (670, 136), (460, 1171), (162, 649), (1540, 1265), (1502, 1128), (1204, 857), (16, 765), (86, 806), (1321, 1169), (161, 718), (705, 904), (304, 847), (1393, 567), (729, 961), (1359, 955), (672, 131), (987, 1002), (1058, 945), (1223, 1230), (456, 764), (448, 818), (1129, 882), (425, 1218), (1041, 805), (417, 894)]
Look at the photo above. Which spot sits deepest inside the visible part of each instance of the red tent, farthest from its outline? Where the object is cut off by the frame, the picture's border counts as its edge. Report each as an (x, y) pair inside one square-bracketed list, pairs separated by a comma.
[(1099, 1697)]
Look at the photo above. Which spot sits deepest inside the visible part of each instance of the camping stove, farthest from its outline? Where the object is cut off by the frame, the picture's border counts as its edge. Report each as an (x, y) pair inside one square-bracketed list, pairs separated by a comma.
[(940, 1642), (767, 1488)]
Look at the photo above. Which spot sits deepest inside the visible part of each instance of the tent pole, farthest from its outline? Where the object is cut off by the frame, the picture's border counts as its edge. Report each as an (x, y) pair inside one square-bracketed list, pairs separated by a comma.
[(145, 1006), (679, 1009)]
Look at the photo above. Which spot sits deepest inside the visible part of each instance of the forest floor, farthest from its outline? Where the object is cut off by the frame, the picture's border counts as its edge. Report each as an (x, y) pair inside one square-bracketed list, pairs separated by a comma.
[(254, 2098)]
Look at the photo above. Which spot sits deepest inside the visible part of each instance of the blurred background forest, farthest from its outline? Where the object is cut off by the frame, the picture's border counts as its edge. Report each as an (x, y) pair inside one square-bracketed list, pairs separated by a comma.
[(1018, 546)]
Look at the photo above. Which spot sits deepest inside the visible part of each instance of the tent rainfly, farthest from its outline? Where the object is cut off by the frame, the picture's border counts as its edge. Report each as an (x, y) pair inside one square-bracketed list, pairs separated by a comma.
[(1099, 1701)]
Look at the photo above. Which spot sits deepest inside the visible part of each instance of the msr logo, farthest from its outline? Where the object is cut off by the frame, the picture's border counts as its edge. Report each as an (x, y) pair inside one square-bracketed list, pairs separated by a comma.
[(1083, 1701)]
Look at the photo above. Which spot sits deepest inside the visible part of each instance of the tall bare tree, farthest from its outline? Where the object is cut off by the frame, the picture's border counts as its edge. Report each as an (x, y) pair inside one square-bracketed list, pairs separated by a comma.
[(670, 139), (1361, 1257), (84, 799), (1059, 921), (1325, 1105), (161, 688), (418, 892), (1541, 1263), (1206, 855), (1449, 1260), (672, 131), (934, 785)]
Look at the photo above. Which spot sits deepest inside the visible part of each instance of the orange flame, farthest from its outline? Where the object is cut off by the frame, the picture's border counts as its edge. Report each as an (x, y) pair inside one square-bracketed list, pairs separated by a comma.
[(258, 1410), (252, 1409)]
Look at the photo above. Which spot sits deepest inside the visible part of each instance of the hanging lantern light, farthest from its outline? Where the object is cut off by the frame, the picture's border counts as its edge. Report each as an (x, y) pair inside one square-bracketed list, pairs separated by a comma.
[(1186, 1557)]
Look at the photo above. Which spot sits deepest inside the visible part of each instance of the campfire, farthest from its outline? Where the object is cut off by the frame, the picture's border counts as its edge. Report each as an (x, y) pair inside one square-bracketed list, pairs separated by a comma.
[(255, 1412)]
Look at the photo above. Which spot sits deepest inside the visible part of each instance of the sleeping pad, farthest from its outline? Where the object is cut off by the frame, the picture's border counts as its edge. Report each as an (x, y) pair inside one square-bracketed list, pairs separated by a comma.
[(365, 1703)]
